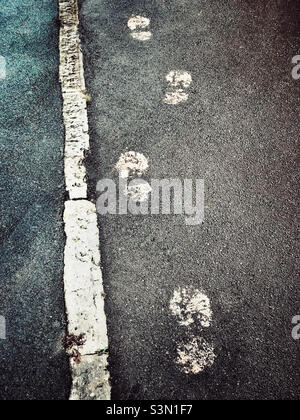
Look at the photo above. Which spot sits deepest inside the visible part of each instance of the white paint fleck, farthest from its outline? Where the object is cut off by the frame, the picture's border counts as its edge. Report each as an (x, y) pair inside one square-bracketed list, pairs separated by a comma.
[(131, 164), (141, 36), (190, 306), (177, 78), (176, 97), (138, 22), (195, 356)]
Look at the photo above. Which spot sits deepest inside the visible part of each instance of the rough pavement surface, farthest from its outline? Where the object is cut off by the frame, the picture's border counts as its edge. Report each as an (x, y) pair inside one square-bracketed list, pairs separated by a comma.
[(239, 131), (33, 363)]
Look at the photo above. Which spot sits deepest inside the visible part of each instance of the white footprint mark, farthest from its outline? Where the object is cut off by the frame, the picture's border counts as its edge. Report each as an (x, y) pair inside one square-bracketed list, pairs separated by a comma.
[(176, 97), (141, 36), (195, 356), (179, 79), (138, 191), (131, 164), (138, 22), (138, 26), (191, 305), (178, 82)]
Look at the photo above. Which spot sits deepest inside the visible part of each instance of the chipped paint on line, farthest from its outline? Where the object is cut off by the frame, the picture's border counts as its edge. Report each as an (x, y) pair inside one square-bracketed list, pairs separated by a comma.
[(84, 295)]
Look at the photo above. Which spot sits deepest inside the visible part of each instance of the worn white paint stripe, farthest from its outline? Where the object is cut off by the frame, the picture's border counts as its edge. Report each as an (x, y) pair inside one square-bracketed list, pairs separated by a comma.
[(84, 294), (83, 278), (90, 379), (74, 101)]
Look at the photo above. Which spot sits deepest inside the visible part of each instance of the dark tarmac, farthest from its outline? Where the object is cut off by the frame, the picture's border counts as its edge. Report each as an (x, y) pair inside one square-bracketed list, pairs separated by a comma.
[(238, 131), (33, 364)]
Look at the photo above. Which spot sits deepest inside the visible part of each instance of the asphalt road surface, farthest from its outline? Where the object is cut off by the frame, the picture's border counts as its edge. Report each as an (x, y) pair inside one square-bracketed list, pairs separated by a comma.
[(33, 364), (238, 130)]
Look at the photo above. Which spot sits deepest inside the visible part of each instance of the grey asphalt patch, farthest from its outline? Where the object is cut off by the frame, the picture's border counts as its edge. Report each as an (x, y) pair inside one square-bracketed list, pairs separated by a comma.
[(32, 361), (239, 132)]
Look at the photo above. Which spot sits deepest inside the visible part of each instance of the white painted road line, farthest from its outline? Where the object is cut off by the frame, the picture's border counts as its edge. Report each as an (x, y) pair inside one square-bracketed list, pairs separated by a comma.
[(2, 68), (83, 278), (84, 297), (74, 102), (87, 331)]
